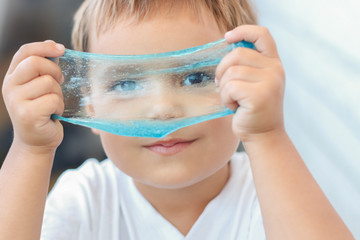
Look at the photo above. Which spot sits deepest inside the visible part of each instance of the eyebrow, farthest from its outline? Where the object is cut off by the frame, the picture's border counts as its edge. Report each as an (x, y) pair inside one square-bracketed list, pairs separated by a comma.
[(121, 69), (136, 70)]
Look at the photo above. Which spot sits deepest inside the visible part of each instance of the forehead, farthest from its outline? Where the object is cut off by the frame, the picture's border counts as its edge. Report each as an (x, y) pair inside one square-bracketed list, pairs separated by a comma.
[(160, 33)]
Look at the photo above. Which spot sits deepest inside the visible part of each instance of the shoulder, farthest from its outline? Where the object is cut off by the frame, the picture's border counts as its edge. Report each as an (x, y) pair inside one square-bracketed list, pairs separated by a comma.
[(91, 168), (80, 198), (90, 176), (89, 183)]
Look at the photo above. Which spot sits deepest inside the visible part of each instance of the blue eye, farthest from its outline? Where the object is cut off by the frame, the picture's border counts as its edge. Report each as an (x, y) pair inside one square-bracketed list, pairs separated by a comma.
[(125, 86), (198, 78)]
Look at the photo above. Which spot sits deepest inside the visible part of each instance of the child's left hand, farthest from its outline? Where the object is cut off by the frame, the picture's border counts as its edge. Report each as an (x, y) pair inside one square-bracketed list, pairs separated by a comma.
[(253, 81)]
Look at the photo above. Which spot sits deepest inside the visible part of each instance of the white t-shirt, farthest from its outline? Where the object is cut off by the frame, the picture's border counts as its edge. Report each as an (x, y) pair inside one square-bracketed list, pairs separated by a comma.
[(98, 201)]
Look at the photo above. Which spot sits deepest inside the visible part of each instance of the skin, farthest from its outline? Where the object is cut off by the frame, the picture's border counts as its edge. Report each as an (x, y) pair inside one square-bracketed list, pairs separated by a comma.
[(180, 185), (197, 174)]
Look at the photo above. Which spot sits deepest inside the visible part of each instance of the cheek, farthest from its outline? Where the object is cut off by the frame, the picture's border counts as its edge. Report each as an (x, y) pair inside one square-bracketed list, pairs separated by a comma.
[(220, 142), (221, 135), (125, 152), (117, 148)]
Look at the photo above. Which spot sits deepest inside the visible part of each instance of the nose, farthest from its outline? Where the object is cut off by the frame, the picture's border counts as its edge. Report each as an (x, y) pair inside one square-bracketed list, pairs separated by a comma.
[(165, 105)]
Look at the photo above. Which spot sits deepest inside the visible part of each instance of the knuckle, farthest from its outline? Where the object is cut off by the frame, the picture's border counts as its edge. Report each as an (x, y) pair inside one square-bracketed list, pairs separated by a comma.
[(264, 30), (54, 99), (4, 89), (231, 71), (280, 70), (33, 60), (58, 90), (8, 79), (61, 107), (218, 73), (233, 88), (230, 87), (237, 72), (47, 81), (277, 73), (224, 95), (58, 73), (24, 48), (220, 69), (61, 103), (241, 52), (245, 53)]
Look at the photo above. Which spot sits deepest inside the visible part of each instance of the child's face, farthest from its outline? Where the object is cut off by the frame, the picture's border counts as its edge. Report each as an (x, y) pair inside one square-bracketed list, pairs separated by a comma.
[(188, 155)]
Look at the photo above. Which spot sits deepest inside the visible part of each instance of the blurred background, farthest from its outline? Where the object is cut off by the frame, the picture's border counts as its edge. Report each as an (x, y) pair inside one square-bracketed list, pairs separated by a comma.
[(24, 21), (319, 44)]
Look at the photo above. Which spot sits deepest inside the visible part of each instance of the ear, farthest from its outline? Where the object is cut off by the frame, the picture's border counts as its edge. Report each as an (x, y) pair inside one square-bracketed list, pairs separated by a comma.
[(90, 111)]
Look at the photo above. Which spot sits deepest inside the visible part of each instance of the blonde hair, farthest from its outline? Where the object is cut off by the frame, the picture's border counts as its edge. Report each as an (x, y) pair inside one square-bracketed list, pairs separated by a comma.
[(101, 15)]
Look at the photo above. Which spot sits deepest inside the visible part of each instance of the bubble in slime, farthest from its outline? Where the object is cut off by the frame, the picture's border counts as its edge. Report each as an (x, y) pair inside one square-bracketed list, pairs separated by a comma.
[(148, 95)]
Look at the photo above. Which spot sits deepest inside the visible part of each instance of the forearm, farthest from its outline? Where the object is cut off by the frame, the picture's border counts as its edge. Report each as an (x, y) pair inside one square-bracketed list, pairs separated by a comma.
[(24, 182), (292, 204)]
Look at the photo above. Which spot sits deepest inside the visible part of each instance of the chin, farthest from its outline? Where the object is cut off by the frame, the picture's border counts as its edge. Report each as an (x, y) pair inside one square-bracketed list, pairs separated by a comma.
[(172, 181)]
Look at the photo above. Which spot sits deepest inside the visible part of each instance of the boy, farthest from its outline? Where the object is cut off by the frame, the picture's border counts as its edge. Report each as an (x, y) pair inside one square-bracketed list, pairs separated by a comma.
[(172, 188)]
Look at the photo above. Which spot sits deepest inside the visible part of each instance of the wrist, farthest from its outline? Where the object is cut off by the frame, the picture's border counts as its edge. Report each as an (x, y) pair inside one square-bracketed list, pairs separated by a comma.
[(266, 139), (25, 149), (24, 159)]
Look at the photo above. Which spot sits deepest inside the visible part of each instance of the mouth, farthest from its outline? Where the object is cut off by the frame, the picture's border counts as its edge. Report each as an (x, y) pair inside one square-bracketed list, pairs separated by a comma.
[(169, 147)]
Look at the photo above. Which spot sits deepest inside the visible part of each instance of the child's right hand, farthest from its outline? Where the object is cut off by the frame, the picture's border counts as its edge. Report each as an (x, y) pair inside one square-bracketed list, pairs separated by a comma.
[(32, 92)]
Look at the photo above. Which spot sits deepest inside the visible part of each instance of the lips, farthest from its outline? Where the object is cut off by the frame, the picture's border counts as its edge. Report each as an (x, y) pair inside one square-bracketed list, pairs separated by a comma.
[(169, 147)]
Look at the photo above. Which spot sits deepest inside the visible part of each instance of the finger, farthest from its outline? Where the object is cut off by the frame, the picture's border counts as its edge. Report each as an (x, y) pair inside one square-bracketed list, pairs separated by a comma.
[(42, 49), (48, 104), (38, 110), (240, 73), (40, 86), (237, 94), (260, 36), (33, 67), (232, 94), (241, 56)]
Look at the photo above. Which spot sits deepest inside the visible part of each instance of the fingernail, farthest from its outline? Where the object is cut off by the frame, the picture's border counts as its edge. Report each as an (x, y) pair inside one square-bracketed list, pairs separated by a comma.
[(216, 82), (60, 47), (62, 79), (228, 34)]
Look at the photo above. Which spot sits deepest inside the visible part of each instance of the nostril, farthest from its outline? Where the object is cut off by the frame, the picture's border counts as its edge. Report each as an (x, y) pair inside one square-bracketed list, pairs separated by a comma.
[(164, 117), (166, 111)]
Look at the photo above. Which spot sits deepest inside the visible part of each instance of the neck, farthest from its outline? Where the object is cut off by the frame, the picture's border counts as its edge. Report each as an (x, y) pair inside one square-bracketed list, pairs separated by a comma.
[(183, 206)]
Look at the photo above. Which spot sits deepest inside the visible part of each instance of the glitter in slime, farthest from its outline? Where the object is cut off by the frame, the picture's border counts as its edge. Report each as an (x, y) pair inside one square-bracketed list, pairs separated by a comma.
[(148, 95)]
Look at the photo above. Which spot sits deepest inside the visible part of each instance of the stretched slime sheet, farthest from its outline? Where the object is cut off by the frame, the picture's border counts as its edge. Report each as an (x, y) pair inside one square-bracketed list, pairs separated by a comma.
[(149, 95)]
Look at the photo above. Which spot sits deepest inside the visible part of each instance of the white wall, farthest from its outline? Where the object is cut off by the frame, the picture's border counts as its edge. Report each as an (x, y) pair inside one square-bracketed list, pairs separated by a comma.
[(319, 43)]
